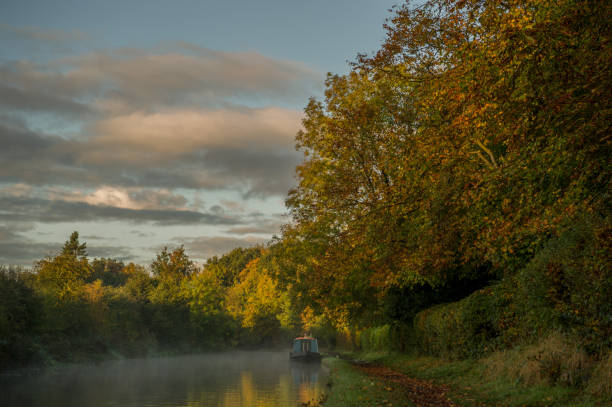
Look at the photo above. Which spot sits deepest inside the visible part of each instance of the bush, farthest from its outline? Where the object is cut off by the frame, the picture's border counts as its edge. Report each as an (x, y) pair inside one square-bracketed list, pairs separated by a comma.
[(566, 287), (554, 360), (389, 337), (601, 380), (570, 282), (19, 318), (464, 328)]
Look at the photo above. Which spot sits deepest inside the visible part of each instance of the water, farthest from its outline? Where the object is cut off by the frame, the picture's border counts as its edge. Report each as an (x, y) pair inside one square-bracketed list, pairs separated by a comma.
[(232, 379)]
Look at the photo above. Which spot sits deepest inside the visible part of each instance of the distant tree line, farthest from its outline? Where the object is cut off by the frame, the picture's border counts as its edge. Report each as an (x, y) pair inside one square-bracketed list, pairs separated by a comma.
[(71, 308)]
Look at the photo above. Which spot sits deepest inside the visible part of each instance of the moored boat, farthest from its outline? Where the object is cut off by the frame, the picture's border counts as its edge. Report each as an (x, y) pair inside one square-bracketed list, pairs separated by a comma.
[(306, 349)]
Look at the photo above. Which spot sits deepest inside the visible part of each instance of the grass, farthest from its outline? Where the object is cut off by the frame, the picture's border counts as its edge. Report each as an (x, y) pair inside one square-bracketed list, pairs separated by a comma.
[(351, 387), (473, 382)]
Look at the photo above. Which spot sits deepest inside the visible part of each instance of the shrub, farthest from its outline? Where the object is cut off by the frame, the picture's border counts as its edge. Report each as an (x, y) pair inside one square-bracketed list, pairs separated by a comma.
[(570, 283), (465, 328), (601, 380), (566, 287), (553, 360), (389, 337)]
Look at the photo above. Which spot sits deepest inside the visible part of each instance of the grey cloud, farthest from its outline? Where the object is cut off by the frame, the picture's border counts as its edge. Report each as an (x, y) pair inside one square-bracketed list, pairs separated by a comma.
[(139, 233), (205, 247), (132, 79), (15, 249), (266, 226), (157, 199), (15, 98), (92, 237), (38, 34), (18, 142), (40, 159), (24, 253), (51, 211), (265, 172), (114, 252), (257, 229)]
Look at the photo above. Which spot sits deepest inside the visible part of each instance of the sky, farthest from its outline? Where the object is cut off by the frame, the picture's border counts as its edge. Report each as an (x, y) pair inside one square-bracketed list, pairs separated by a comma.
[(145, 124)]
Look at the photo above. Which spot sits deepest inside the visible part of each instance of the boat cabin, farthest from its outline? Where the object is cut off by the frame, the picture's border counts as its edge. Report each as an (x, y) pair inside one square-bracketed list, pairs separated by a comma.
[(305, 344), (305, 348)]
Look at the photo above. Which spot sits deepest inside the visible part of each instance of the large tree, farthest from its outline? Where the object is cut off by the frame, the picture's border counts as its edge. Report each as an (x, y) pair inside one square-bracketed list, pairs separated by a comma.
[(478, 132)]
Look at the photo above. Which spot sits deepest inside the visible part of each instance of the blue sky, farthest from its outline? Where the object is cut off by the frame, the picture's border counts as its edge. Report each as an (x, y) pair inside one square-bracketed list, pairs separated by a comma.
[(150, 123)]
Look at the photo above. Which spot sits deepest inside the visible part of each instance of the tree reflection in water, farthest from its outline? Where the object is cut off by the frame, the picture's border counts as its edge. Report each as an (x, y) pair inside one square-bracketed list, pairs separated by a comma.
[(231, 379)]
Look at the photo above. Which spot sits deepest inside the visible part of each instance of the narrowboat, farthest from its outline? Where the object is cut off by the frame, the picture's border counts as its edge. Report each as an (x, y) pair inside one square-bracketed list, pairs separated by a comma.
[(306, 349)]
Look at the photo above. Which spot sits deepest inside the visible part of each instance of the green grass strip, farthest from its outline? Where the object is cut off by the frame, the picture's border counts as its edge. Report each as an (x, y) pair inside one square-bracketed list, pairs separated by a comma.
[(351, 387)]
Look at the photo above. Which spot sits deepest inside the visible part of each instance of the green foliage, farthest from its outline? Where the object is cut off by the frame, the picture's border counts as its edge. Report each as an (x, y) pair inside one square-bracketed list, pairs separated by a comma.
[(109, 271), (20, 317), (377, 339), (70, 308), (474, 136), (174, 265), (255, 301), (228, 266), (207, 313), (73, 247), (566, 287), (63, 274), (465, 328), (570, 281)]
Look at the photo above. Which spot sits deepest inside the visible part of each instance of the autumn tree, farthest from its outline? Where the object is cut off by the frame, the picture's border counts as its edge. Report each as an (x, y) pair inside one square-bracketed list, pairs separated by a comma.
[(256, 302), (477, 133), (170, 315), (65, 273)]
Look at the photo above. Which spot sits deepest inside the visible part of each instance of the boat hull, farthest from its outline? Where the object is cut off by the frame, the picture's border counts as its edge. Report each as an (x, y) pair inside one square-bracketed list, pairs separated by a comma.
[(305, 356)]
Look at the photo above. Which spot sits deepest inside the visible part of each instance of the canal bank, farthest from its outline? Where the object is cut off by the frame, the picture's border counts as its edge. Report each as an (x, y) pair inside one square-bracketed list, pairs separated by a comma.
[(396, 379)]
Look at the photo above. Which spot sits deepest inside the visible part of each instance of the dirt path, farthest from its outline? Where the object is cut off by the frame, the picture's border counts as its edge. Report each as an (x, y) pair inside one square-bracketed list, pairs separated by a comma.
[(420, 392)]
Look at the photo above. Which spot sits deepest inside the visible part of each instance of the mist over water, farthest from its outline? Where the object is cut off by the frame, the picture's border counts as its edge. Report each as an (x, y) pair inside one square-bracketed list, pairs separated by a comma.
[(231, 379)]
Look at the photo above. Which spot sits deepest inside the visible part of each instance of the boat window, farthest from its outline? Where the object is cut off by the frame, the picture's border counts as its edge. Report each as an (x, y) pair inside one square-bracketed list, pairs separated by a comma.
[(305, 345)]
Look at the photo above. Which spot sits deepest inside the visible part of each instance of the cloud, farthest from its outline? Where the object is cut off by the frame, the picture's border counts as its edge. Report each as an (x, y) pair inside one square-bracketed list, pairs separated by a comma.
[(175, 133), (36, 209), (247, 150), (15, 249), (127, 198), (39, 34), (24, 253), (120, 253), (114, 135), (128, 80), (266, 226), (32, 100), (205, 247)]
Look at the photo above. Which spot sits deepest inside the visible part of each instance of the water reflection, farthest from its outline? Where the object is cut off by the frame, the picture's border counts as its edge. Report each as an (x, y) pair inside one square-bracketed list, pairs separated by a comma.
[(234, 379)]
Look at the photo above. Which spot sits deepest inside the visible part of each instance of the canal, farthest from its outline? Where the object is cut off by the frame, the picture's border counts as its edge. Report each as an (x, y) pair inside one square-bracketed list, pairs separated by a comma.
[(230, 379)]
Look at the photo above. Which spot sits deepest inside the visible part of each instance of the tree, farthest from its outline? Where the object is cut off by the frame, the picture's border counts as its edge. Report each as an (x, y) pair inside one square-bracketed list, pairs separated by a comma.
[(255, 301), (228, 266), (109, 271), (73, 247), (173, 265), (478, 132), (170, 316), (64, 274)]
